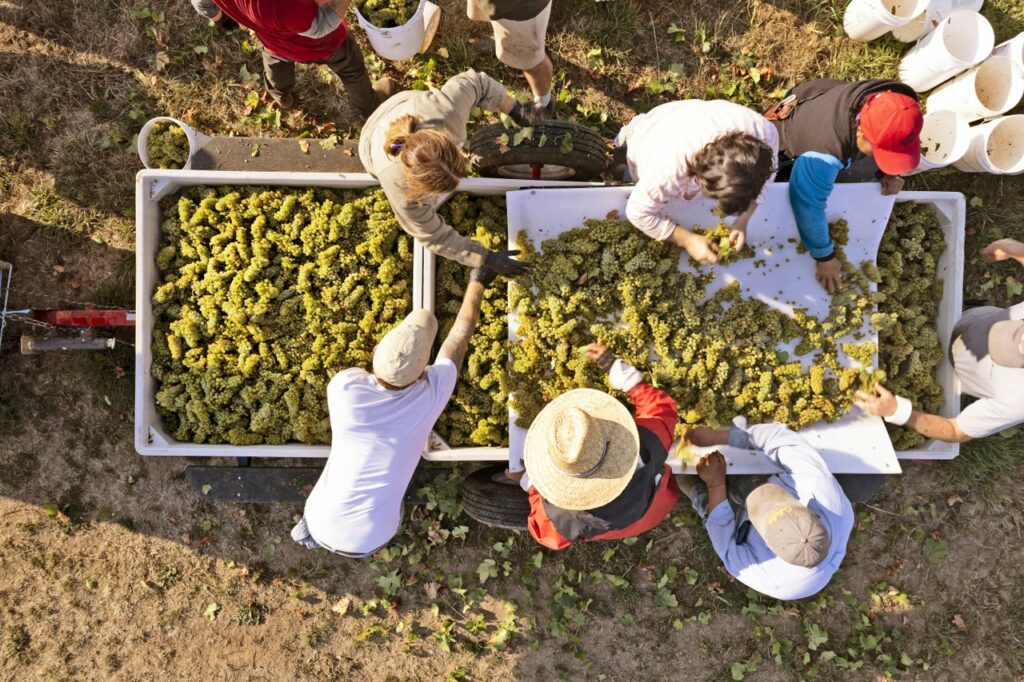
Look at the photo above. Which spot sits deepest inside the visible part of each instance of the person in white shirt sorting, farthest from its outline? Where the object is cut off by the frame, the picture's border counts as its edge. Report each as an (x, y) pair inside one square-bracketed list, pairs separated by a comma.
[(685, 149), (380, 423), (788, 534), (987, 352)]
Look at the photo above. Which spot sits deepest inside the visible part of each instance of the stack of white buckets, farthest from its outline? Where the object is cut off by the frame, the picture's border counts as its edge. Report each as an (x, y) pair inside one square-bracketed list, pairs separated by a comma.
[(972, 80)]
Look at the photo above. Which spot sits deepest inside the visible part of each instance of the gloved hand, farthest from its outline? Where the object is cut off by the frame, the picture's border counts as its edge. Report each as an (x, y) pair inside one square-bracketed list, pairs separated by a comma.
[(226, 23), (600, 354), (502, 263), (526, 114), (483, 275)]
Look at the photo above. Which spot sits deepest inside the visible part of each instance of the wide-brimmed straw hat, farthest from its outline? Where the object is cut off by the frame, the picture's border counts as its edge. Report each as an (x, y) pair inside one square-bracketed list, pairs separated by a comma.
[(581, 450)]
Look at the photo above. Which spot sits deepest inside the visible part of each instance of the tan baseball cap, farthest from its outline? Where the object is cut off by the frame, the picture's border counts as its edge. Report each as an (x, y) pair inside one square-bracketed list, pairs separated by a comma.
[(791, 530), (404, 352), (1006, 343)]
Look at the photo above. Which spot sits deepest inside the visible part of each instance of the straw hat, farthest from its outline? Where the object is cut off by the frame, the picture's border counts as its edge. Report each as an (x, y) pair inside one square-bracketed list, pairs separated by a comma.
[(581, 450)]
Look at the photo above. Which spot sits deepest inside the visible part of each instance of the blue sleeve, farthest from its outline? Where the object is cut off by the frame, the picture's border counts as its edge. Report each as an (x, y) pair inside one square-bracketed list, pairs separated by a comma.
[(721, 527), (810, 184)]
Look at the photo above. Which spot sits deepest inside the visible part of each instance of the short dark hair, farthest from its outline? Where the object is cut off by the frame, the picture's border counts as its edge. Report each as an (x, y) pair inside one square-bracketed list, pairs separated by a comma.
[(732, 170)]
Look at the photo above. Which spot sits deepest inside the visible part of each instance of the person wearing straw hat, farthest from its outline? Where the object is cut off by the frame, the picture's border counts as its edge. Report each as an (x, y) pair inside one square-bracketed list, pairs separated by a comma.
[(784, 535), (987, 352), (593, 470), (413, 145), (304, 31), (380, 423), (520, 28), (825, 127)]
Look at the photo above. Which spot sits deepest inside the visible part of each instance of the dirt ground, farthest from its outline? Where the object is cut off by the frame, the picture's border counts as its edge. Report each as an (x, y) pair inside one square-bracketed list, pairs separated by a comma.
[(113, 567)]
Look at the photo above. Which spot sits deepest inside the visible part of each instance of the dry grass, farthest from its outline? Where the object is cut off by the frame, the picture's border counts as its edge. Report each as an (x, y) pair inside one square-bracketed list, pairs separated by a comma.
[(113, 580)]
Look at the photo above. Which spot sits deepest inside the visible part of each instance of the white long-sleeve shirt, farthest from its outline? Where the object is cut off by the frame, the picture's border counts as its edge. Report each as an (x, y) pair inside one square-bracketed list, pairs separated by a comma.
[(660, 144), (806, 477)]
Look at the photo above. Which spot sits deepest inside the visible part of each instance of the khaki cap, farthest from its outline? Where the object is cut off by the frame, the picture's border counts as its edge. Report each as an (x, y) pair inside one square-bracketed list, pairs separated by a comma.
[(404, 352), (791, 530), (1006, 343)]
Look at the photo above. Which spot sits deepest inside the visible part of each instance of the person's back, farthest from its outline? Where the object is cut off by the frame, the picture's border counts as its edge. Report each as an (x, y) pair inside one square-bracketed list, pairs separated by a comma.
[(378, 435), (281, 26)]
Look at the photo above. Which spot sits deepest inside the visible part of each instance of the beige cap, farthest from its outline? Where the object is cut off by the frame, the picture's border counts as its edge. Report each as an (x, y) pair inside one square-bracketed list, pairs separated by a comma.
[(404, 352), (791, 530), (581, 450), (1006, 343)]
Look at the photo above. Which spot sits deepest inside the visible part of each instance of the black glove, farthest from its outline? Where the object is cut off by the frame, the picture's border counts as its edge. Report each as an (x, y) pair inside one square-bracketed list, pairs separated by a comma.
[(226, 24), (483, 275), (502, 263), (526, 114)]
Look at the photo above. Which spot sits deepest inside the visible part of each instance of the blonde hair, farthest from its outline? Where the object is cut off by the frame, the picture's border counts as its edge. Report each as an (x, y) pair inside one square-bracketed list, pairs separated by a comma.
[(431, 161)]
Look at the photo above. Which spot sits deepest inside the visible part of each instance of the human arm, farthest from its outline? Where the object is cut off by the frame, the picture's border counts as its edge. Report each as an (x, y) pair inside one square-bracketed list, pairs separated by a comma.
[(810, 185), (883, 403), (1004, 249), (891, 184), (654, 409), (645, 210), (457, 342), (711, 470), (329, 16)]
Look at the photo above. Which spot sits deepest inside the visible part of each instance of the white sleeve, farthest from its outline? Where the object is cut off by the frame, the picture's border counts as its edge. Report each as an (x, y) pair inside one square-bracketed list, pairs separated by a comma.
[(442, 376), (624, 376), (645, 209), (987, 416)]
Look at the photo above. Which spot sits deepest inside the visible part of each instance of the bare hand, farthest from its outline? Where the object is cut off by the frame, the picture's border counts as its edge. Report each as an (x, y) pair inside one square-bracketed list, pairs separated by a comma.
[(711, 469), (830, 274), (738, 237), (599, 354), (1003, 249), (701, 249), (891, 184), (881, 404), (514, 475)]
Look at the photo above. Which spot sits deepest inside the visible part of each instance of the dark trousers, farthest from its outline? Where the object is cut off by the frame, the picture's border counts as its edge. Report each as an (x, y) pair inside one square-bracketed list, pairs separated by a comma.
[(346, 61)]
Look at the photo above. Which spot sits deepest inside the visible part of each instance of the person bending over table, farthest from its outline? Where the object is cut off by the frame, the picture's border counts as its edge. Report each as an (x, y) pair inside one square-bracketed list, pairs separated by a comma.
[(987, 353), (826, 125), (593, 470), (783, 535), (380, 423), (413, 145), (692, 148)]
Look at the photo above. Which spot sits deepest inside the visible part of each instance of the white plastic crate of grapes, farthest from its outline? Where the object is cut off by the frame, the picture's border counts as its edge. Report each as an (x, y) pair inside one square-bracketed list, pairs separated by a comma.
[(153, 185), (950, 212)]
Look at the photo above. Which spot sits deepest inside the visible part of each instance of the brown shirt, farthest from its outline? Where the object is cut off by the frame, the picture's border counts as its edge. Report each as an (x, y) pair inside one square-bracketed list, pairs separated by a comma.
[(445, 109)]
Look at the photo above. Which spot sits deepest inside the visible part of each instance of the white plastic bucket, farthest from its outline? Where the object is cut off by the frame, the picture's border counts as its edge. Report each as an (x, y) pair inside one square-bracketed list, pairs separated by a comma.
[(945, 138), (869, 19), (996, 147), (927, 20), (991, 88), (1012, 48), (402, 42), (196, 139), (960, 41)]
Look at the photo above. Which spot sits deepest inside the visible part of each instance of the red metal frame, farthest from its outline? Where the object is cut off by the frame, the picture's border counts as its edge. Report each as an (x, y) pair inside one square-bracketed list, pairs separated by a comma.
[(86, 318)]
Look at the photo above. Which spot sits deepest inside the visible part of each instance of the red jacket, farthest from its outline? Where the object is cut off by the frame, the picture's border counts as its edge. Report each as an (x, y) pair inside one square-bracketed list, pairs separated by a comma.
[(656, 412), (278, 23)]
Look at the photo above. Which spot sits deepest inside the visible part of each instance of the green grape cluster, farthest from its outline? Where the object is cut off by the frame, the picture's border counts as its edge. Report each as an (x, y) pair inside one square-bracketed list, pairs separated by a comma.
[(387, 13), (910, 294), (716, 355), (264, 294), (167, 146), (477, 413), (719, 238)]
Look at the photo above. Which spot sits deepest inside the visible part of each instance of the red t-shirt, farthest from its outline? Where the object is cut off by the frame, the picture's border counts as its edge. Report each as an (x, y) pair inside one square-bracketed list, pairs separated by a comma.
[(278, 24)]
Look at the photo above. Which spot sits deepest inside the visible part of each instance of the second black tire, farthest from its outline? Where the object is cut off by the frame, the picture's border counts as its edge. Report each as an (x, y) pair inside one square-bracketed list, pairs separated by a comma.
[(569, 152), (491, 499)]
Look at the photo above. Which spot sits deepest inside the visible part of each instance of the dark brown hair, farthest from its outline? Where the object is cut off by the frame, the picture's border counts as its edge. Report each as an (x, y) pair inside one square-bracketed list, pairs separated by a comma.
[(432, 162), (732, 170)]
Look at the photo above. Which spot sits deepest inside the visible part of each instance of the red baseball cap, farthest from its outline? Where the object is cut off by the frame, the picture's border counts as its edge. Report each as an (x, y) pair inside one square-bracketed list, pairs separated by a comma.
[(892, 122)]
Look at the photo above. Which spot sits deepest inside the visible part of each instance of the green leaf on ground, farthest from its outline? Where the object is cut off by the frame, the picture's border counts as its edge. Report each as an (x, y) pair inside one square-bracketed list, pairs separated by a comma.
[(935, 550), (664, 598), (211, 610), (487, 569)]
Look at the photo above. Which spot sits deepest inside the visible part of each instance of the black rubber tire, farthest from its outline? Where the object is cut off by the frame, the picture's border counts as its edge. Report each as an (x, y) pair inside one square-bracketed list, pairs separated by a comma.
[(493, 502), (586, 160)]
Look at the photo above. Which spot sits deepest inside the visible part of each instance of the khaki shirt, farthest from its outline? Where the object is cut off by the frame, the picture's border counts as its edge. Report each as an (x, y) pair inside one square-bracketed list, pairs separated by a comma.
[(445, 109)]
